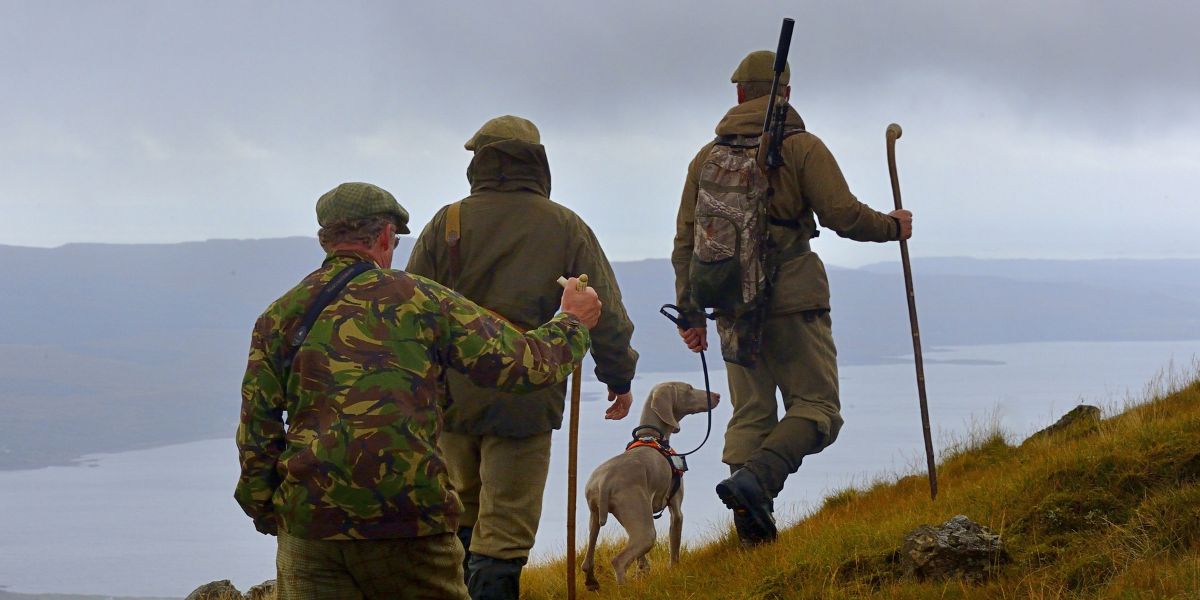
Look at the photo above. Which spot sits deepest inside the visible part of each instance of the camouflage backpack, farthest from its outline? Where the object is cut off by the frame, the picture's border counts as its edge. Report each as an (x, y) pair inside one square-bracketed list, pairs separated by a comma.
[(729, 270)]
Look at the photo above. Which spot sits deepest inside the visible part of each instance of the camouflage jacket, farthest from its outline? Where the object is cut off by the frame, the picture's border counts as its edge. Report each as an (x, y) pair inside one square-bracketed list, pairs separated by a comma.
[(357, 455), (515, 243)]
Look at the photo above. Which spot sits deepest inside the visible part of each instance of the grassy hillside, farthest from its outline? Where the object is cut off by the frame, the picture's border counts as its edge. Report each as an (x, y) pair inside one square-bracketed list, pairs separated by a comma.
[(1106, 511)]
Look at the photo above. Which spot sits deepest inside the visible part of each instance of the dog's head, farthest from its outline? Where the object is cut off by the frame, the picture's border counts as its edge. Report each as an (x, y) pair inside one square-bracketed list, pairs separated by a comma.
[(673, 400)]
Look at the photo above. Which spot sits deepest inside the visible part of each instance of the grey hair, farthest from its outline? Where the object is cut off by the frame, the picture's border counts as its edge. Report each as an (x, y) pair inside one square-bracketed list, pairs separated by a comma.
[(359, 232)]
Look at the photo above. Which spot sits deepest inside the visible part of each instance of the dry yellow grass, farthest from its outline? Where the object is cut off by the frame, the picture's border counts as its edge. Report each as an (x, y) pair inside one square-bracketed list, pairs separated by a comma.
[(1111, 512)]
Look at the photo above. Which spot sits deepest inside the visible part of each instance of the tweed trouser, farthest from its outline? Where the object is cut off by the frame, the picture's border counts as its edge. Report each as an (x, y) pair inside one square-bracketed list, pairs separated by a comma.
[(421, 568), (500, 481), (799, 359)]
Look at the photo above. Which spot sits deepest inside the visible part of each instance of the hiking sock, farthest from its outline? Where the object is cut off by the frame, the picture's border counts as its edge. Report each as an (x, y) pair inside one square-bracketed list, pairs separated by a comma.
[(782, 452)]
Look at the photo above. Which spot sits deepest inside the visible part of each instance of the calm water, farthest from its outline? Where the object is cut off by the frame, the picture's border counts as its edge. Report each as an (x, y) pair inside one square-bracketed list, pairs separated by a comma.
[(160, 522)]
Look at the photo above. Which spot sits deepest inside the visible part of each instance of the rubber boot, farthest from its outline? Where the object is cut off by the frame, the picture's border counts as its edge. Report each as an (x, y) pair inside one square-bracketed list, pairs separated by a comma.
[(782, 452), (495, 579), (464, 536)]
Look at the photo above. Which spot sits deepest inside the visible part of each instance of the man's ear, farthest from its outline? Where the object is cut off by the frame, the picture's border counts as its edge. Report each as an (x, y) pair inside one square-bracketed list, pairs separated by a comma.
[(741, 93), (786, 92), (383, 242), (662, 403)]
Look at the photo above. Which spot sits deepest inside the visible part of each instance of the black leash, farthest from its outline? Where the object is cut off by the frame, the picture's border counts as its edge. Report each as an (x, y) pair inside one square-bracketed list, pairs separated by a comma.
[(682, 323)]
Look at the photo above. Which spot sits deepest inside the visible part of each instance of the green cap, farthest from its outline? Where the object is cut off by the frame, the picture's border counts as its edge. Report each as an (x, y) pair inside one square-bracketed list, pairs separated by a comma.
[(507, 127), (760, 66), (354, 200)]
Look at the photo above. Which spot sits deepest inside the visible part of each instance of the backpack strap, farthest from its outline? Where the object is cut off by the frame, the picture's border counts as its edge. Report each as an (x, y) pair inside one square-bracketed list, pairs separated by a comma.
[(323, 299), (453, 237), (738, 141), (752, 141)]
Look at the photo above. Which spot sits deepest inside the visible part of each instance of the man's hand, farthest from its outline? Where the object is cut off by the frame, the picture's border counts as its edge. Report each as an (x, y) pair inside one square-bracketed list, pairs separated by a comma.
[(904, 217), (620, 405), (583, 304), (696, 338)]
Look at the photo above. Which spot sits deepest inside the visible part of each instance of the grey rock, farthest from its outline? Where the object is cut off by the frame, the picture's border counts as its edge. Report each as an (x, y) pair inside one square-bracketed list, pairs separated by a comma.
[(217, 590), (958, 548), (1082, 419), (262, 591)]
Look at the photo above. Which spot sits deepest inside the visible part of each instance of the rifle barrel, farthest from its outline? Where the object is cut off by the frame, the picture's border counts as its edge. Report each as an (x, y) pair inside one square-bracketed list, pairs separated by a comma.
[(785, 44)]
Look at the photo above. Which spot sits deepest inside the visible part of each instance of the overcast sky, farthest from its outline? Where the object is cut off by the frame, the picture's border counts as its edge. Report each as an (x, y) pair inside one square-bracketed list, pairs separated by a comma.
[(1062, 129)]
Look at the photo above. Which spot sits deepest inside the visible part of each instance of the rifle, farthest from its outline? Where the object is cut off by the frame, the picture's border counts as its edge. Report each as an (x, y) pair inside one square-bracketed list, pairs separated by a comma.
[(772, 137)]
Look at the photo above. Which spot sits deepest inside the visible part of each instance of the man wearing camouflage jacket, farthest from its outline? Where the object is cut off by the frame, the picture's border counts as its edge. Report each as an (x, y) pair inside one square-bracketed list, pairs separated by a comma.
[(510, 242), (798, 357), (352, 481)]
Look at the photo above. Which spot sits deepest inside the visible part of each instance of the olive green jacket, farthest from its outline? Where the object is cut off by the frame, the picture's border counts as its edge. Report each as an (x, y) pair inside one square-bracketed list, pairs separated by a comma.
[(515, 243), (809, 183)]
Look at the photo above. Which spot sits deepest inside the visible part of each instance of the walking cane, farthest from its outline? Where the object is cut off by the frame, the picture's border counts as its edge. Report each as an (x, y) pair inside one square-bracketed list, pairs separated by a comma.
[(893, 134), (572, 458)]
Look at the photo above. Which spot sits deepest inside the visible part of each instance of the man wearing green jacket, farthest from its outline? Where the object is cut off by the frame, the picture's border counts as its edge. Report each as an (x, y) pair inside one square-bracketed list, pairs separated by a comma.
[(351, 481), (798, 356), (504, 246)]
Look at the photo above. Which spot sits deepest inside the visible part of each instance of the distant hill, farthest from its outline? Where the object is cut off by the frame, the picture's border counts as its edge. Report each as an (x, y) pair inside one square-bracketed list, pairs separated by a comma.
[(14, 596), (112, 347)]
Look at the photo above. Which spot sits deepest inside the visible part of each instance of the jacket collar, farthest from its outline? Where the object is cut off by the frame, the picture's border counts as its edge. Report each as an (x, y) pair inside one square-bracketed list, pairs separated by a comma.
[(747, 118), (346, 257)]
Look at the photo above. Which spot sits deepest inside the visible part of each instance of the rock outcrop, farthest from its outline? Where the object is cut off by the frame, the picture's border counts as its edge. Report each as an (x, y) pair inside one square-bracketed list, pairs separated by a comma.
[(217, 590), (261, 591), (1082, 420), (224, 590), (958, 548)]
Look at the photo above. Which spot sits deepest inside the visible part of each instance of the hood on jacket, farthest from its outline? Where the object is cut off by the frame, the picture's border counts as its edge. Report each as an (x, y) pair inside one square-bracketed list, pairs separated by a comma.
[(747, 118), (510, 166)]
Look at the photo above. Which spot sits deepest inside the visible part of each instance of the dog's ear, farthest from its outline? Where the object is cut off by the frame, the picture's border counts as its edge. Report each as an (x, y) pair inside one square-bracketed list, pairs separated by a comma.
[(662, 402)]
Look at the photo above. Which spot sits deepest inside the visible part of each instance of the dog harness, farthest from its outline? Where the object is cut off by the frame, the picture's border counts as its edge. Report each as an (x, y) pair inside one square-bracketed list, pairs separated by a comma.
[(676, 461)]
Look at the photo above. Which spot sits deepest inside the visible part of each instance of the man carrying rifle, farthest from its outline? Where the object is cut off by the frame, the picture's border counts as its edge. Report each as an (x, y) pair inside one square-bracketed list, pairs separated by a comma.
[(779, 335)]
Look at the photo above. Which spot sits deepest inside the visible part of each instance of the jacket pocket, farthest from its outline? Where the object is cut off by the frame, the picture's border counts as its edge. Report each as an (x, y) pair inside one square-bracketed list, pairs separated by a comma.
[(801, 284), (715, 274)]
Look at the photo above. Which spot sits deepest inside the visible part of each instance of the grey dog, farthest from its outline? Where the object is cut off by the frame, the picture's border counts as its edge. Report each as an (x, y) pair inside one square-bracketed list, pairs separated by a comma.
[(635, 484)]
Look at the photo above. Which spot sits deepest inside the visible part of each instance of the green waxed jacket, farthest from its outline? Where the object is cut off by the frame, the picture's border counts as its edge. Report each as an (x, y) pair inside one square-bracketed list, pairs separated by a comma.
[(357, 457), (809, 187), (515, 243)]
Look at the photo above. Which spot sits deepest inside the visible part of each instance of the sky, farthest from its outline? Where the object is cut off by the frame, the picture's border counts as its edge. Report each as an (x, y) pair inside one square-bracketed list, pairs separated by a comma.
[(1062, 129)]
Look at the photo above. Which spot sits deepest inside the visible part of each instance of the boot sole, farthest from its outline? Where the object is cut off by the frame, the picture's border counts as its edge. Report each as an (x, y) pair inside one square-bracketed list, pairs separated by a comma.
[(764, 528)]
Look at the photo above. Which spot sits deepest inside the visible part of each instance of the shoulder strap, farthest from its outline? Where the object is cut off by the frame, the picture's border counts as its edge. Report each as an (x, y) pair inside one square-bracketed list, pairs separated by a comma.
[(323, 299), (738, 141), (453, 237)]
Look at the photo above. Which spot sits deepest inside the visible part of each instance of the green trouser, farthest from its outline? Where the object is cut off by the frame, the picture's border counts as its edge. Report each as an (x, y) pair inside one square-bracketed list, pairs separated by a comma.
[(500, 481), (799, 359), (424, 568)]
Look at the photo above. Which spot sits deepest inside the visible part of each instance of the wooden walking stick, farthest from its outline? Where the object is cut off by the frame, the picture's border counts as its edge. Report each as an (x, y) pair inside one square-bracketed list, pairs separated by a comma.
[(893, 134), (572, 459)]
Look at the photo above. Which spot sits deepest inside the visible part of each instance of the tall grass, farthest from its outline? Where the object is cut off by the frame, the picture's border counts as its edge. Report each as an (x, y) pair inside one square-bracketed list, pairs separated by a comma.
[(1106, 511)]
